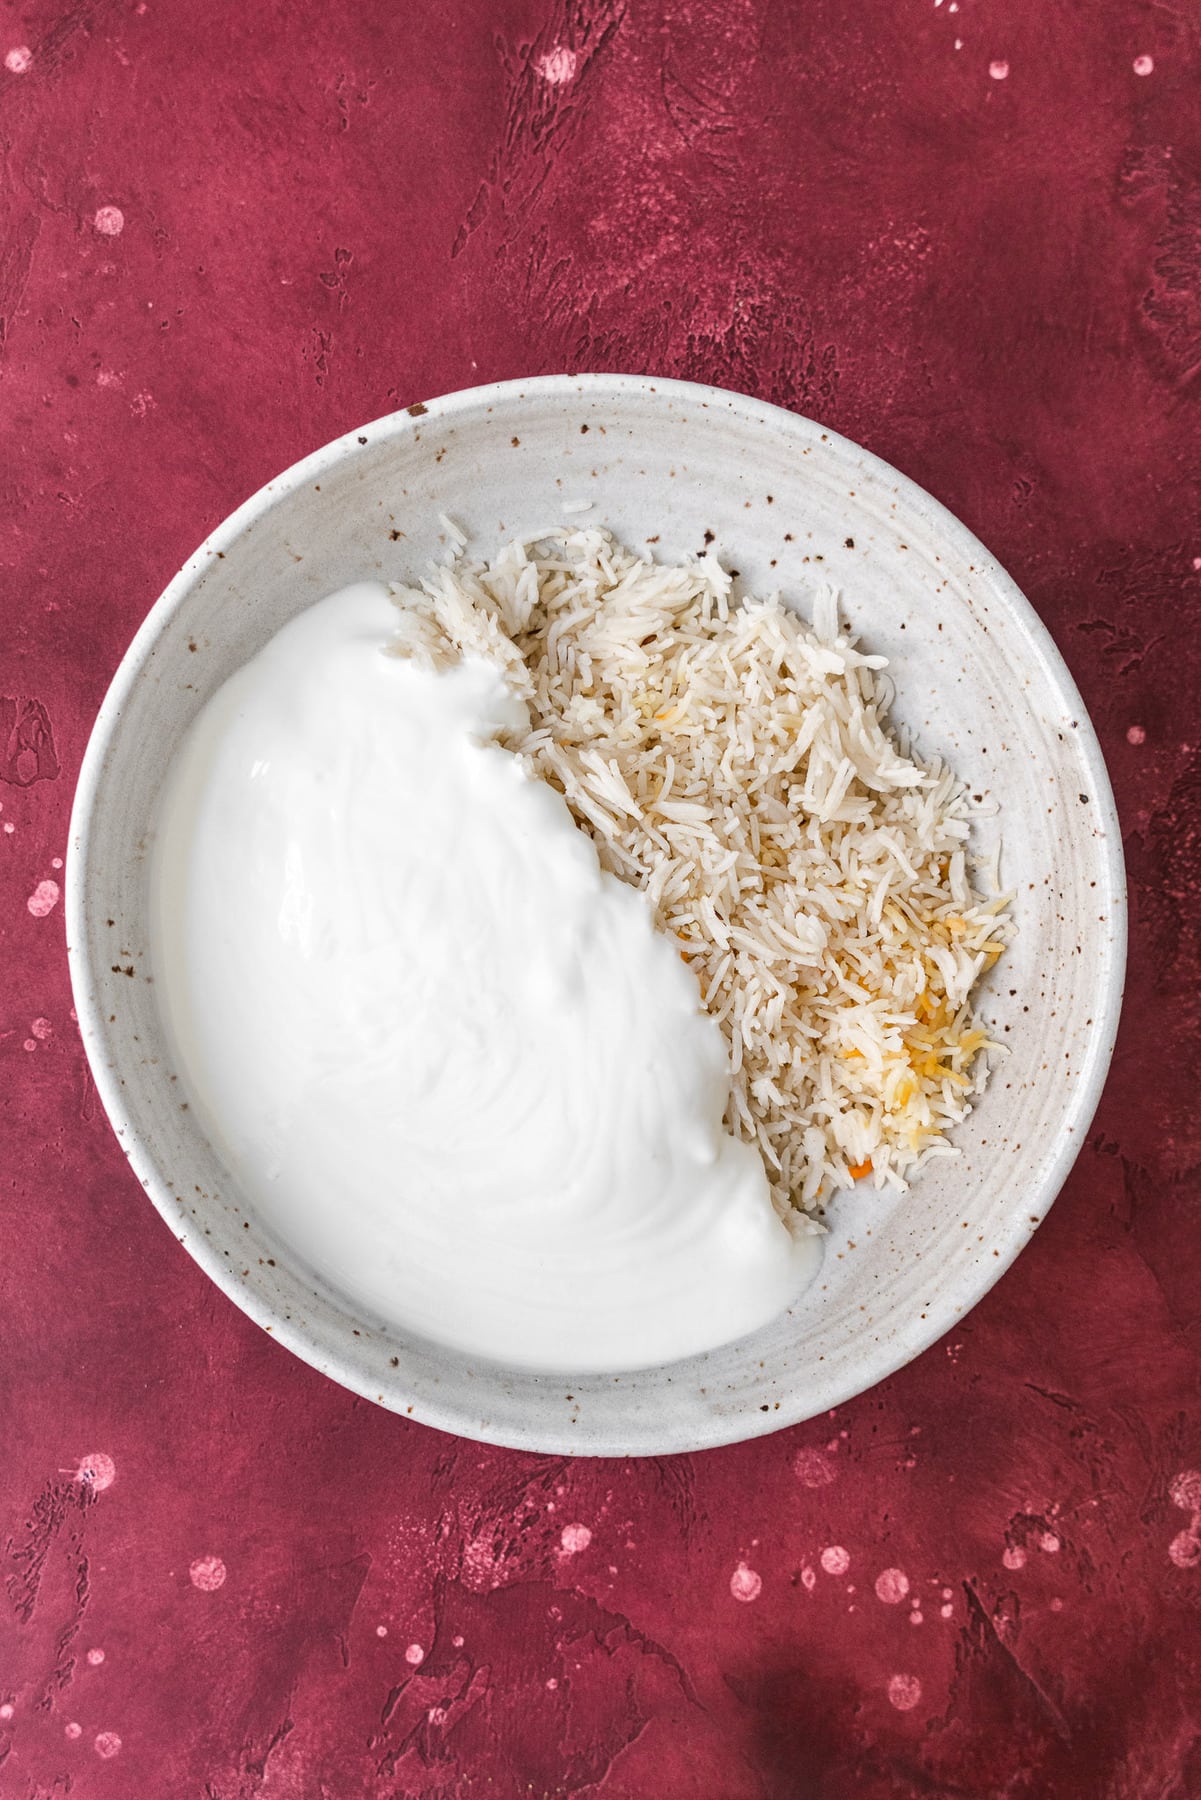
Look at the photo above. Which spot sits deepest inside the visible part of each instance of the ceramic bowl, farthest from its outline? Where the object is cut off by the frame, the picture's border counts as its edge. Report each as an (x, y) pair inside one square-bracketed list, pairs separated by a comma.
[(978, 681)]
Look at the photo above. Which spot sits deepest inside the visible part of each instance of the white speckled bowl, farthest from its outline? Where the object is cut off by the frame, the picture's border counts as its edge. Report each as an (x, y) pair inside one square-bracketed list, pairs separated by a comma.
[(978, 680)]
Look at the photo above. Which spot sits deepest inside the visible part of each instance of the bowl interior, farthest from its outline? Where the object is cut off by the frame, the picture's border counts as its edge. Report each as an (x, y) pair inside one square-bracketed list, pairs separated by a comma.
[(978, 681)]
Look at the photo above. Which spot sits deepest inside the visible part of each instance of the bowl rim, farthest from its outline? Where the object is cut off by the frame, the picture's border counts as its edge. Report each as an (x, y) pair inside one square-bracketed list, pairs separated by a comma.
[(1080, 1105)]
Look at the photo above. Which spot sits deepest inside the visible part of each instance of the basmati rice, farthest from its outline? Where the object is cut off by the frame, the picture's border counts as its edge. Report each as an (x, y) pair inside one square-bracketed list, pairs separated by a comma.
[(740, 769)]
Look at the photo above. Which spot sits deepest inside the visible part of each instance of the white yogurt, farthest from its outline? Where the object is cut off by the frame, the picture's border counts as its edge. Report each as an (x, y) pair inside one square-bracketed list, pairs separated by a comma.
[(447, 1058)]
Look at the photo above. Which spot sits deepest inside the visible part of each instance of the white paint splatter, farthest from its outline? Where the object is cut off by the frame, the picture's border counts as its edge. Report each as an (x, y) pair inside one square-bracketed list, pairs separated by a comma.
[(835, 1560), (574, 1538), (18, 59), (998, 70), (208, 1574), (95, 1657), (107, 1744), (72, 1730), (381, 1631), (904, 1692), (6, 1711), (1136, 734), (415, 1655), (892, 1585), (1185, 1550), (1142, 65), (1047, 1540), (808, 1579), (30, 1044), (1014, 1557), (109, 221), (44, 897), (97, 1471), (56, 862), (745, 1584), (42, 1029), (915, 1617), (813, 1468), (481, 1569), (1185, 1490), (946, 1612), (457, 1642), (557, 66)]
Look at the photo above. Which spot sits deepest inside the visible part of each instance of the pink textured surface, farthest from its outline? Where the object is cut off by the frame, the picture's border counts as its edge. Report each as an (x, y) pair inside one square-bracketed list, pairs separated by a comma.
[(228, 233)]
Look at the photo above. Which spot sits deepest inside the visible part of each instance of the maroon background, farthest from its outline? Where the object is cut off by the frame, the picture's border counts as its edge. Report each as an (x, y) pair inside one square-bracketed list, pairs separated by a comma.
[(995, 282)]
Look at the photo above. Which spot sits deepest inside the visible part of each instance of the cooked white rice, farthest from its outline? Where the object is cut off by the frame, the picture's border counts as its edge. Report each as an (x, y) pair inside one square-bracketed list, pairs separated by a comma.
[(739, 768)]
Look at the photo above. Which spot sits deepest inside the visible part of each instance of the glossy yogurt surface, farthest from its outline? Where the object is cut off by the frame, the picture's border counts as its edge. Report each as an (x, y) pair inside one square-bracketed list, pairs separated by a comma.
[(447, 1058)]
